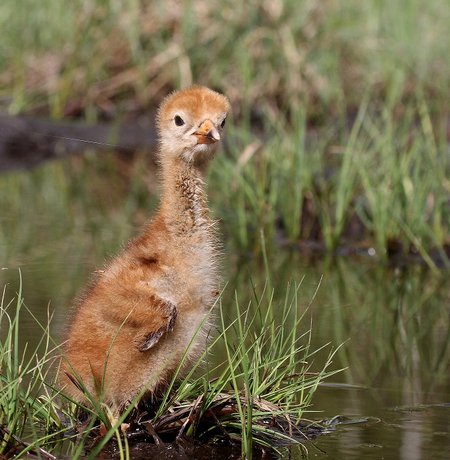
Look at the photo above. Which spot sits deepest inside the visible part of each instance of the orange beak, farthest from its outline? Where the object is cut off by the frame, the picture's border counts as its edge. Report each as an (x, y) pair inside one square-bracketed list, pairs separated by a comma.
[(207, 133)]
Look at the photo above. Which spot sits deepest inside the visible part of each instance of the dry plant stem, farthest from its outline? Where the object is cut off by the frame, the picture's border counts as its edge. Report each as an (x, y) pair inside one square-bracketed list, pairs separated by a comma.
[(189, 418), (151, 430)]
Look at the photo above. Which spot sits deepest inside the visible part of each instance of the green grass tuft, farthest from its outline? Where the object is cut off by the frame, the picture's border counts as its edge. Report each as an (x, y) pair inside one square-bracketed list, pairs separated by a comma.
[(253, 387)]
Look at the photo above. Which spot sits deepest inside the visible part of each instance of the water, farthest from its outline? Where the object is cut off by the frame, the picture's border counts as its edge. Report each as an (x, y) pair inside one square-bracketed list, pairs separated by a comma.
[(394, 324), (410, 432)]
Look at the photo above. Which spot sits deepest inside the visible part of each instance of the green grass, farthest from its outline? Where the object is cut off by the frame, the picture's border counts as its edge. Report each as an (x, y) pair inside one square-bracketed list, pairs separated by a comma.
[(388, 179), (340, 116), (388, 176), (26, 407), (284, 55), (254, 386)]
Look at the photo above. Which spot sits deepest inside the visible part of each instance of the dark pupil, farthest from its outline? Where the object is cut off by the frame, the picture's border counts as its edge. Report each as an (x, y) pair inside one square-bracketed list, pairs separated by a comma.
[(223, 122), (179, 121)]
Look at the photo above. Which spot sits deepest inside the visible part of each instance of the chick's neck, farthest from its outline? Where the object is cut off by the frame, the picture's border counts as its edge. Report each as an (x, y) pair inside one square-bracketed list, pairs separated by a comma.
[(184, 205)]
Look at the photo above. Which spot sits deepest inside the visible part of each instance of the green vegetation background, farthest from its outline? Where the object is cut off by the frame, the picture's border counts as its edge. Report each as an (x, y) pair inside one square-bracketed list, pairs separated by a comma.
[(341, 115)]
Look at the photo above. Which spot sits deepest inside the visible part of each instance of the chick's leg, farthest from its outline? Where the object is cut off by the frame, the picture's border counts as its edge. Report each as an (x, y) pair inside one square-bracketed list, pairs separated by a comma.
[(149, 337)]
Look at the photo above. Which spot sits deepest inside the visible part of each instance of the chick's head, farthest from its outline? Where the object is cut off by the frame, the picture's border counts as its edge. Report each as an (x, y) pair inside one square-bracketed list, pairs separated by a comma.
[(191, 123)]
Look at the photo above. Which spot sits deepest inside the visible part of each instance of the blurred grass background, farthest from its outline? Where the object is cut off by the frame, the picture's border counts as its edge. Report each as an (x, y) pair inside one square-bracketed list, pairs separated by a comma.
[(341, 114), (267, 56)]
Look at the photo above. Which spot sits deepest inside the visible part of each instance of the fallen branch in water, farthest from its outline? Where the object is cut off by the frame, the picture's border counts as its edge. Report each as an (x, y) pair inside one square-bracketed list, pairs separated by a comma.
[(26, 142)]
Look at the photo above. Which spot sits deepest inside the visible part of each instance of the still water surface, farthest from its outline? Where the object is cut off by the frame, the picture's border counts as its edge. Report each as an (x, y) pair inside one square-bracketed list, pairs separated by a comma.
[(394, 324), (396, 327)]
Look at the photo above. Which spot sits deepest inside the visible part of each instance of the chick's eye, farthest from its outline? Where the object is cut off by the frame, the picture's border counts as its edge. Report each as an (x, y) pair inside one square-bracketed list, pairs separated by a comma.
[(223, 122), (178, 120)]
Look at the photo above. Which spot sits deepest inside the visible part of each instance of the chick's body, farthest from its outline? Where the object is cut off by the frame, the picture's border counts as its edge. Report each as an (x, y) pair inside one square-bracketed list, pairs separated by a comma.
[(140, 315)]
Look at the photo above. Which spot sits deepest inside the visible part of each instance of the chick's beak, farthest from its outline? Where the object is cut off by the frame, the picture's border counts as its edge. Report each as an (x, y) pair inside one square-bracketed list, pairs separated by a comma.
[(207, 133)]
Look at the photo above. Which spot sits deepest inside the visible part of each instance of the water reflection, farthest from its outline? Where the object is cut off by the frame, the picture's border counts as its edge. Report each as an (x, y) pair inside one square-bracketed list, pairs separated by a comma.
[(395, 324), (396, 321)]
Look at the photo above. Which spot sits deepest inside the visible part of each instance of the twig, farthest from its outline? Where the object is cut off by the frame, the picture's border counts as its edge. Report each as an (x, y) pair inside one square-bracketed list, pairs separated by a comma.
[(151, 431), (189, 417)]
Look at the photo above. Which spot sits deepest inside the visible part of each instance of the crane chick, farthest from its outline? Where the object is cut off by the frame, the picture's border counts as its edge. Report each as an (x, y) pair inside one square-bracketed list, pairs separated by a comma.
[(141, 313)]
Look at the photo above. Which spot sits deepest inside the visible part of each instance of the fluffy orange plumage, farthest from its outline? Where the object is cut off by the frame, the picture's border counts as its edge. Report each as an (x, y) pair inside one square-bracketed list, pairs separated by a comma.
[(139, 315)]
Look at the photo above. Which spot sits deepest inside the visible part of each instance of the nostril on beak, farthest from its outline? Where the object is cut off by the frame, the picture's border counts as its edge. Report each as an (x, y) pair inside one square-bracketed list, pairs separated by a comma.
[(214, 134), (207, 133)]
